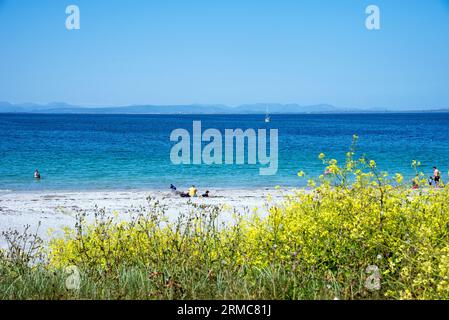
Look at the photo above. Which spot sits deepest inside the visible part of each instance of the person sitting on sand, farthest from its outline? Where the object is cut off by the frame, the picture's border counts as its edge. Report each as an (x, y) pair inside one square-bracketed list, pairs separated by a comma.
[(436, 177), (174, 190), (37, 175), (192, 191), (206, 194)]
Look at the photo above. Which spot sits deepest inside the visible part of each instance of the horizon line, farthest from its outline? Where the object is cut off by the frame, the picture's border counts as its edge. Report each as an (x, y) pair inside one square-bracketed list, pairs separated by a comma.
[(55, 105)]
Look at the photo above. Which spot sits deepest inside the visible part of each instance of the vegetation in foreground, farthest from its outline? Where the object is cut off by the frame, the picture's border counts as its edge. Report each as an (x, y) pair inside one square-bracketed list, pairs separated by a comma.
[(356, 234)]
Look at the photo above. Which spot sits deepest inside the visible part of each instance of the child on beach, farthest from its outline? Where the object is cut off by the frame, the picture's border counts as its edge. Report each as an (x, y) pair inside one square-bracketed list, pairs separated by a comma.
[(206, 194)]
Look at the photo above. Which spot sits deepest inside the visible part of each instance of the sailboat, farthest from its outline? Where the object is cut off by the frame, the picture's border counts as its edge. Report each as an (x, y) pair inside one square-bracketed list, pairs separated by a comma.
[(267, 117)]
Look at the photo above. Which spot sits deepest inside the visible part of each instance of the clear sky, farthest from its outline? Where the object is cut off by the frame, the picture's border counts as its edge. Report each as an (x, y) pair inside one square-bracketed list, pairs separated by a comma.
[(226, 52)]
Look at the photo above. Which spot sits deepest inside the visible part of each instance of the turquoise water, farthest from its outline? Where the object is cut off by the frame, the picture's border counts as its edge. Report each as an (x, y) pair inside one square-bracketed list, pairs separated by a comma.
[(77, 152)]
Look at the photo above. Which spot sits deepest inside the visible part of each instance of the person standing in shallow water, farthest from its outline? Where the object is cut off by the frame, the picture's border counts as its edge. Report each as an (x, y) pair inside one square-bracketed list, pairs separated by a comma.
[(37, 175), (436, 177)]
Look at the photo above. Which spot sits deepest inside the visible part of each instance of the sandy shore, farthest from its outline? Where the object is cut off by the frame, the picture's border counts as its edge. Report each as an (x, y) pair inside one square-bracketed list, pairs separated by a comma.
[(57, 209)]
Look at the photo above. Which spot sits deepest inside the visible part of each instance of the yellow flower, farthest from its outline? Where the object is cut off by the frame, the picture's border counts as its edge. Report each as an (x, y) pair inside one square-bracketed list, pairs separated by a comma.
[(372, 164), (399, 178), (321, 156), (301, 174), (416, 164)]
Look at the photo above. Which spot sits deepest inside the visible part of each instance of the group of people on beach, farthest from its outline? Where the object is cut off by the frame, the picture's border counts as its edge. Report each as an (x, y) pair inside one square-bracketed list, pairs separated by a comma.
[(434, 180), (191, 193)]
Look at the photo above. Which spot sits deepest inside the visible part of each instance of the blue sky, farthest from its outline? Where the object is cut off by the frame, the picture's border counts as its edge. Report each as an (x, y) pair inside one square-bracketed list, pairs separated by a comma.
[(226, 51)]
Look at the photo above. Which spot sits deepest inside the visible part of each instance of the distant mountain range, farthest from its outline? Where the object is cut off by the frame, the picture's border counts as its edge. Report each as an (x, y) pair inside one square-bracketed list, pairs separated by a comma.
[(258, 108)]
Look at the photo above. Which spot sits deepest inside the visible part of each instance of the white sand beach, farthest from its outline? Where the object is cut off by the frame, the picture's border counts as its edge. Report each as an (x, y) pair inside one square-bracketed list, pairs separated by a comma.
[(57, 209)]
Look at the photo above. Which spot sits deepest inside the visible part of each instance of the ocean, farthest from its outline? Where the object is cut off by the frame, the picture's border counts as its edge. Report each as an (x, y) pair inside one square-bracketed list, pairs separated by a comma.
[(101, 152)]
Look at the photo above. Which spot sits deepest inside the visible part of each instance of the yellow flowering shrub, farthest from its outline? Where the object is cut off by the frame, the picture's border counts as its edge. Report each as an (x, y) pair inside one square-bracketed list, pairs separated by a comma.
[(353, 217)]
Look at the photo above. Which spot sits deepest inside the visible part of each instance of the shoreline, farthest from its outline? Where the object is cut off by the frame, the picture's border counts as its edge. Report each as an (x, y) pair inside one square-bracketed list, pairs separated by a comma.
[(164, 189)]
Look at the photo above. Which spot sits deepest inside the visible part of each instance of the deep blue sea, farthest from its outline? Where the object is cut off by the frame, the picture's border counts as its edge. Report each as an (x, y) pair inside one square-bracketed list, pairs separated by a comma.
[(78, 152)]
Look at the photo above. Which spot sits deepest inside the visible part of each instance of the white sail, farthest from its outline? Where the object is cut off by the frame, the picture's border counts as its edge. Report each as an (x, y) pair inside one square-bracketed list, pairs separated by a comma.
[(267, 116)]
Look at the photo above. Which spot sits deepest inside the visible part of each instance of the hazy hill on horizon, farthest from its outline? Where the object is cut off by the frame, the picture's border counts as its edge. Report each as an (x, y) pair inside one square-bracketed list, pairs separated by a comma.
[(256, 108), (60, 107)]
